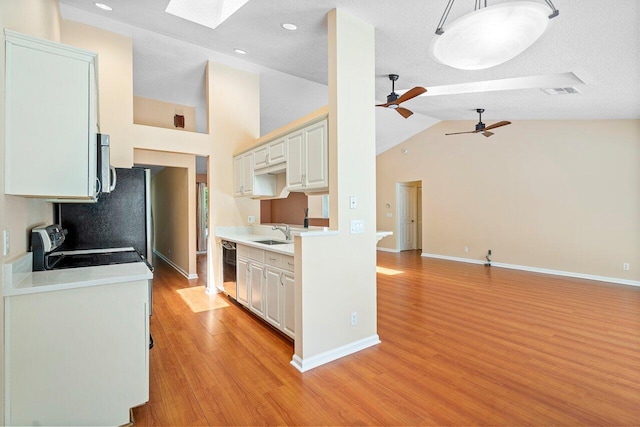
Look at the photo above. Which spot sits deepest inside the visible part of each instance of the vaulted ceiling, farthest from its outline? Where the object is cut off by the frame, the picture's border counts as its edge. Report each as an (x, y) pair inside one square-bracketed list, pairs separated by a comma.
[(592, 43)]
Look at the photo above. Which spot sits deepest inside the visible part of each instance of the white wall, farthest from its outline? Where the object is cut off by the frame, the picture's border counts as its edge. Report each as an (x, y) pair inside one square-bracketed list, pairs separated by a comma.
[(561, 195)]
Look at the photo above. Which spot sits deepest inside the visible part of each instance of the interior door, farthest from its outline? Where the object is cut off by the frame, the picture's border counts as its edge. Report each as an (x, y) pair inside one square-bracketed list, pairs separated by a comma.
[(407, 210)]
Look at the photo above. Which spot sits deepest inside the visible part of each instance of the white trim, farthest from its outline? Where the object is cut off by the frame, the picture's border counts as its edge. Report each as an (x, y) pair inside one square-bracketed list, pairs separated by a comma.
[(7, 362), (540, 270), (453, 258), (308, 363), (176, 267), (388, 250)]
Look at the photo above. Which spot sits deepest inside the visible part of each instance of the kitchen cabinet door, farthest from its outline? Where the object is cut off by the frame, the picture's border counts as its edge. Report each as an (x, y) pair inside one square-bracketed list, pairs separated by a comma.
[(247, 160), (307, 158), (273, 304), (242, 281), (238, 176), (316, 156), (295, 161), (257, 280), (50, 119), (277, 152), (261, 157), (288, 304)]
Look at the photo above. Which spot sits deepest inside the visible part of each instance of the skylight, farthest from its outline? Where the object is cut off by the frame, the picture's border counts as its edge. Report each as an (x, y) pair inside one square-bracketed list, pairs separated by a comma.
[(209, 13)]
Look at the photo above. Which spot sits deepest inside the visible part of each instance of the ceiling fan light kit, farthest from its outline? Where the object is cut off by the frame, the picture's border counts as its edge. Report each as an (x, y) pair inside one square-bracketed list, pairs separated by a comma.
[(490, 36)]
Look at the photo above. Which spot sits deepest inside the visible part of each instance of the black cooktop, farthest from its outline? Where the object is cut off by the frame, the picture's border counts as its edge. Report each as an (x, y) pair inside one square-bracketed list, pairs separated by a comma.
[(93, 259)]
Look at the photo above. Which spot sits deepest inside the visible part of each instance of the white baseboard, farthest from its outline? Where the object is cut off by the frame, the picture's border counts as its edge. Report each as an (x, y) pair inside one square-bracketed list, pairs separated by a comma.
[(453, 258), (175, 266), (539, 270), (388, 250), (328, 356)]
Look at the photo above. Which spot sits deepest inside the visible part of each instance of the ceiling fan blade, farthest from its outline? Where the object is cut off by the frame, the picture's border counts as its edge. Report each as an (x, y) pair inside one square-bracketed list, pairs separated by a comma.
[(497, 125), (460, 133), (411, 93), (404, 112), (383, 105), (487, 133)]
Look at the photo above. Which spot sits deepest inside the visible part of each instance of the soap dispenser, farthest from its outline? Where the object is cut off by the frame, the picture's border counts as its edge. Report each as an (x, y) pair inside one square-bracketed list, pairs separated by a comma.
[(306, 218)]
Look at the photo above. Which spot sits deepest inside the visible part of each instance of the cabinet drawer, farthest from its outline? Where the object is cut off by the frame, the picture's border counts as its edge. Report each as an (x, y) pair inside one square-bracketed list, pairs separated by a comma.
[(250, 252), (272, 258), (281, 261), (287, 263)]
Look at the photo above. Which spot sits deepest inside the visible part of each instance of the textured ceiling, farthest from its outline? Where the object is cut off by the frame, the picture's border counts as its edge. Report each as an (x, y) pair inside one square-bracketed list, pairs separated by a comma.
[(596, 40)]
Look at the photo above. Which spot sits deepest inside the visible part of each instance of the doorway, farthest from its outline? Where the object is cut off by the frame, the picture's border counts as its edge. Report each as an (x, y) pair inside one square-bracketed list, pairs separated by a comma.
[(409, 215)]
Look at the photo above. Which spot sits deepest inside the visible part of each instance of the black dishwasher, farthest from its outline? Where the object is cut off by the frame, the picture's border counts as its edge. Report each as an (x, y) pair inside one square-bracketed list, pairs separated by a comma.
[(229, 268)]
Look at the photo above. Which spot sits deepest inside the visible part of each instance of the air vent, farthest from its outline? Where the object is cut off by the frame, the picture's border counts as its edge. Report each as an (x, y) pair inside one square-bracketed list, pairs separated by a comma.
[(561, 91)]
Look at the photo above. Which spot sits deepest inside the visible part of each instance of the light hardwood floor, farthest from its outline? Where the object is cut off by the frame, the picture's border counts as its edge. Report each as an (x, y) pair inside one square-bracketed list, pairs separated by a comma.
[(461, 345)]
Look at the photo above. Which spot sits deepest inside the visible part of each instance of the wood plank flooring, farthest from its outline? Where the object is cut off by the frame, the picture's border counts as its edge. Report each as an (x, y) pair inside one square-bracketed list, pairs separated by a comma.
[(461, 345)]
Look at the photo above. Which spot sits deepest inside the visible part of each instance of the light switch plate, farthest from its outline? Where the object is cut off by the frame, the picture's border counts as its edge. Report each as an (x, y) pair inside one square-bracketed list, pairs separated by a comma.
[(6, 242), (353, 202)]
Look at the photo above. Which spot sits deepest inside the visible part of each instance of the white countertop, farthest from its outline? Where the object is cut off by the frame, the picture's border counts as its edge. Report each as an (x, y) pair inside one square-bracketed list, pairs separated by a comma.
[(250, 240), (18, 279), (250, 235)]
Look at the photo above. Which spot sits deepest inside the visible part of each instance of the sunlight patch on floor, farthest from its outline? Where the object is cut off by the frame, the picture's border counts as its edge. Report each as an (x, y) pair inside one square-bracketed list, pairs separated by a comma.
[(388, 271), (198, 300)]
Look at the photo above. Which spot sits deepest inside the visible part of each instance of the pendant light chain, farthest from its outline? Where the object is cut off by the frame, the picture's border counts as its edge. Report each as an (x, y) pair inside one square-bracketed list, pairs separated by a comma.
[(479, 5)]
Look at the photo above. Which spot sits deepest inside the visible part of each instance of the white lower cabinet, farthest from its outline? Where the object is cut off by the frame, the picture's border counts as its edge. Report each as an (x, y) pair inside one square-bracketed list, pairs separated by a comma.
[(256, 288), (272, 296), (242, 281), (288, 304), (77, 356), (266, 286)]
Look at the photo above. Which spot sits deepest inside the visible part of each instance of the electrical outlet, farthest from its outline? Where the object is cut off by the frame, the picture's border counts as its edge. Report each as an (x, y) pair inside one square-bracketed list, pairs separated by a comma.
[(354, 318), (626, 266), (466, 248), (389, 214), (357, 226), (251, 219)]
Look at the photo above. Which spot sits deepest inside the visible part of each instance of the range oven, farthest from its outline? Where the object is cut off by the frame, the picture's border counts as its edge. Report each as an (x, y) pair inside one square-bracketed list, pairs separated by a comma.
[(46, 239)]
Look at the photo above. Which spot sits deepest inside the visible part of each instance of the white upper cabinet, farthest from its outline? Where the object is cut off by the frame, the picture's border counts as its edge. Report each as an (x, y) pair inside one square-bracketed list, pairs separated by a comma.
[(302, 155), (295, 164), (50, 119), (307, 158), (316, 156), (270, 155), (246, 182)]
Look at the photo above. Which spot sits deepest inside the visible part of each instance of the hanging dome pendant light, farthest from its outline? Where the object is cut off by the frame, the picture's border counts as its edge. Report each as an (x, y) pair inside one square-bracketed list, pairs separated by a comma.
[(491, 35)]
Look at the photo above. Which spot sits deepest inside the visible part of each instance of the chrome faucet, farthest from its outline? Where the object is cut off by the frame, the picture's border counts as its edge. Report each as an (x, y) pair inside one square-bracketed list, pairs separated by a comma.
[(285, 229)]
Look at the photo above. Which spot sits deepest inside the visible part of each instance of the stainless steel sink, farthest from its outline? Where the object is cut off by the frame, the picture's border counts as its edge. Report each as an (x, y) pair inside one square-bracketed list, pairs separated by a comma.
[(272, 242)]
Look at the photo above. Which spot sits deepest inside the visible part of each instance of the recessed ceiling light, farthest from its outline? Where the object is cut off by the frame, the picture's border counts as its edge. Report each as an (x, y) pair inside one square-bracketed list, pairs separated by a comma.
[(103, 6), (240, 51), (290, 27)]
